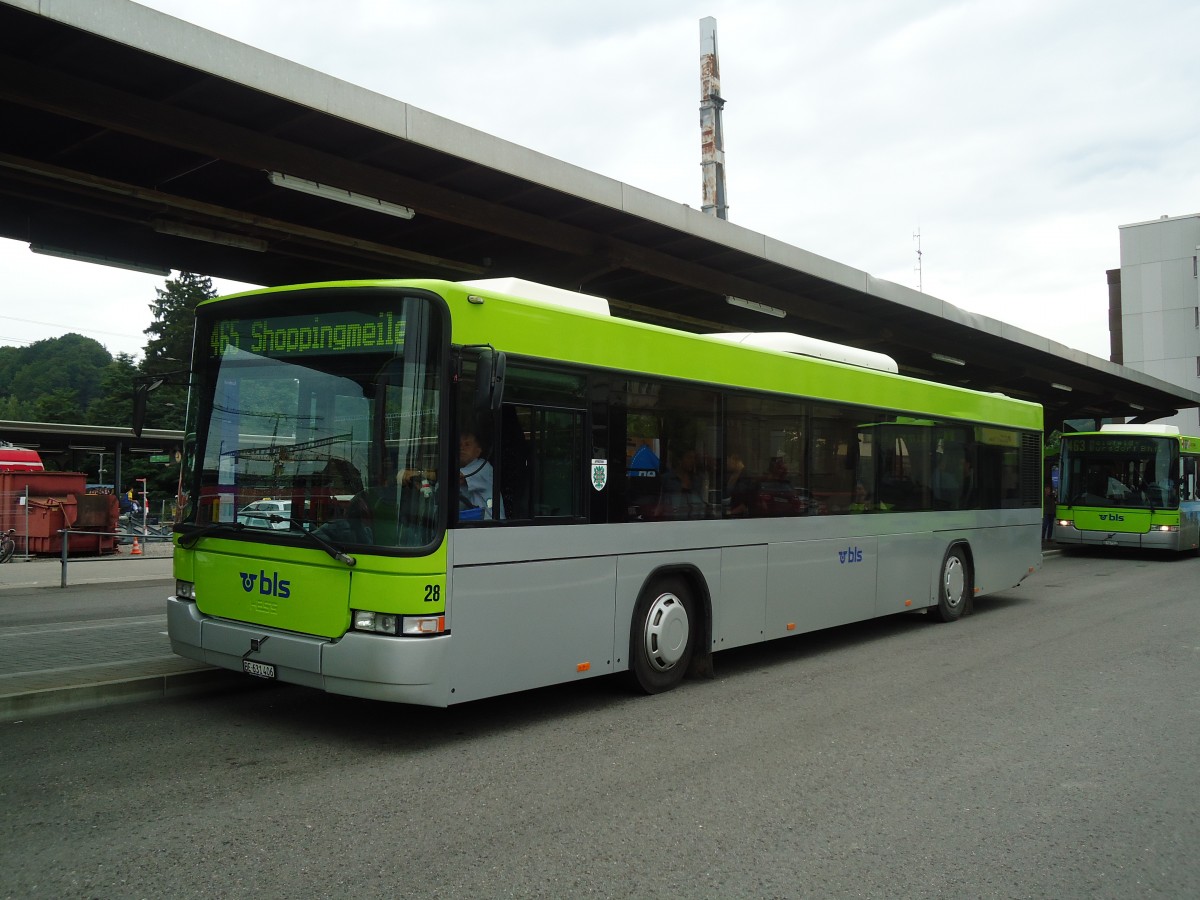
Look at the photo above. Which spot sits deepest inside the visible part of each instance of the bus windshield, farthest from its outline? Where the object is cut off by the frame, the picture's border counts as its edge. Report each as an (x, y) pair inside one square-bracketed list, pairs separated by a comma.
[(323, 420), (1120, 471)]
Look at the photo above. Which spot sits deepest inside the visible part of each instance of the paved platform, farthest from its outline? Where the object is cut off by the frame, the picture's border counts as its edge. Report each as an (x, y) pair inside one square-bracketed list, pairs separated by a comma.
[(98, 641), (46, 571)]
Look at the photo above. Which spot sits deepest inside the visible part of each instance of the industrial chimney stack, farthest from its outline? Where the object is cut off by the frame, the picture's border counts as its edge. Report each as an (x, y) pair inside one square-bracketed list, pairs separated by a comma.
[(712, 136)]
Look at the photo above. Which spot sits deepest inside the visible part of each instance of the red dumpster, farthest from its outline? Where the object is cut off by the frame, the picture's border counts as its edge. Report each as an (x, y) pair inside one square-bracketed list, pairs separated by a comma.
[(57, 500)]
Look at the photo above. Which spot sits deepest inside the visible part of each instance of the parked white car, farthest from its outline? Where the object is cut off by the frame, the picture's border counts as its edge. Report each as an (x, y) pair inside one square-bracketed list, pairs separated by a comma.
[(254, 515)]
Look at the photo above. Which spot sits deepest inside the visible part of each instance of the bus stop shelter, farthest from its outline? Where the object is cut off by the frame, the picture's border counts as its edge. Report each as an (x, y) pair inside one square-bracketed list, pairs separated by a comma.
[(136, 139)]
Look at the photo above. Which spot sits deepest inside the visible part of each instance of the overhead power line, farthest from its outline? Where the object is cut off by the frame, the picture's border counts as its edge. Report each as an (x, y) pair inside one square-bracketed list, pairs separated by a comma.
[(123, 334)]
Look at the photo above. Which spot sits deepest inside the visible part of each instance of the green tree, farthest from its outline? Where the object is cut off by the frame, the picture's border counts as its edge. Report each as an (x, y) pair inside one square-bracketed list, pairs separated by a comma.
[(10, 358), (61, 405), (114, 405), (169, 349), (12, 409), (52, 380), (170, 345), (1053, 443)]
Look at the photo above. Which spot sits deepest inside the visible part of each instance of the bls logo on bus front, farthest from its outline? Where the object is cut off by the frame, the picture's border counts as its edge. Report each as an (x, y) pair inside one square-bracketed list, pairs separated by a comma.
[(270, 585), (1111, 517), (850, 555)]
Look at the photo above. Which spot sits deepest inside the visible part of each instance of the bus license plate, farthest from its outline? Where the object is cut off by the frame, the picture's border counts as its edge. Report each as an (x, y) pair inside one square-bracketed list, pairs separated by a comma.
[(257, 669)]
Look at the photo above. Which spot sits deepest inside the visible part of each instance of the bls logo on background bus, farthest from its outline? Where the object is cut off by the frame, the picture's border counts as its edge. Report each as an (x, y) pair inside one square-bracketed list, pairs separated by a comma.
[(271, 585), (850, 555), (1111, 517)]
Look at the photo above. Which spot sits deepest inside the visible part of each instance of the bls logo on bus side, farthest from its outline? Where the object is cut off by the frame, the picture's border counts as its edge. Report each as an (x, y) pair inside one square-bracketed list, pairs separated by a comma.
[(270, 585), (1111, 517), (850, 555)]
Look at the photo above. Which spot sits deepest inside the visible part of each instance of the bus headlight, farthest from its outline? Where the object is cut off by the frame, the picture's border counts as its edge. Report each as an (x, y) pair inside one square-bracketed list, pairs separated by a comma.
[(185, 590), (1167, 528), (390, 623), (379, 623), (1065, 523)]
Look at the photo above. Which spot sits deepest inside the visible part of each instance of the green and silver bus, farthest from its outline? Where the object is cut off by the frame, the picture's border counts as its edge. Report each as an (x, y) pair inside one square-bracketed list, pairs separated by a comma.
[(481, 493), (1129, 486)]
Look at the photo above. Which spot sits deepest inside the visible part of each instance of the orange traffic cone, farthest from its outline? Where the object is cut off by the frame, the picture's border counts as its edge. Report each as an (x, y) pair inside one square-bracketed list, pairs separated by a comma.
[(137, 548)]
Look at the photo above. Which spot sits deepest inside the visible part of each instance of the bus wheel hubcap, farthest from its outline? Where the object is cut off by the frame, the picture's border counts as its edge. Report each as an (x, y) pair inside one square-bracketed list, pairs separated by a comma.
[(666, 632), (954, 581)]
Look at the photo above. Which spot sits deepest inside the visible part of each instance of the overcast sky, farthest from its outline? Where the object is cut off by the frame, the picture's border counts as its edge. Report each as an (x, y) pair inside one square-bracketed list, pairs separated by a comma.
[(1014, 136)]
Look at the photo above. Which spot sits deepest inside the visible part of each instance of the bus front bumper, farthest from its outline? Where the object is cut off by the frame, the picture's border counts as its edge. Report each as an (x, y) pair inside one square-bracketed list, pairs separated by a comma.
[(1071, 536), (376, 667)]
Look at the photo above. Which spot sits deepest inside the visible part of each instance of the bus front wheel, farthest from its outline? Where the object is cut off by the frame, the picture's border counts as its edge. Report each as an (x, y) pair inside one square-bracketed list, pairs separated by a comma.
[(954, 586), (662, 635)]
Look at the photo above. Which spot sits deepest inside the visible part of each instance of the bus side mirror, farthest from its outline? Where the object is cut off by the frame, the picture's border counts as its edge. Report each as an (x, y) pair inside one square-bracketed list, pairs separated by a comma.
[(489, 380), (140, 392)]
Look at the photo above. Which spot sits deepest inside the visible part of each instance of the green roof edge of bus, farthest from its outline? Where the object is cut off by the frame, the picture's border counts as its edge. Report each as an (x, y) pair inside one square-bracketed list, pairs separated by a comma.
[(664, 351)]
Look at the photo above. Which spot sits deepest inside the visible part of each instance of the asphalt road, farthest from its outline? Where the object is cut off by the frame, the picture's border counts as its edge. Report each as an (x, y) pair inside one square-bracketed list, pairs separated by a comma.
[(1043, 747)]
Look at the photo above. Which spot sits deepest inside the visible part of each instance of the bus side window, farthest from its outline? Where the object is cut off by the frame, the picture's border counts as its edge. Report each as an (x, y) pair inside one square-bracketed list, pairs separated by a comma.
[(515, 455), (542, 462)]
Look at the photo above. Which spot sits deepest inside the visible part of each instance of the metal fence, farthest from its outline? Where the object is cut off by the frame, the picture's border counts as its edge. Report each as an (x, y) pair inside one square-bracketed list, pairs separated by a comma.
[(122, 537)]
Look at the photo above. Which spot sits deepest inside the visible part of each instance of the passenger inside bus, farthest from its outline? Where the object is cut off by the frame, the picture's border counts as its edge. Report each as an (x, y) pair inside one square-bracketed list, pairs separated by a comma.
[(777, 496), (1160, 492), (739, 487), (684, 489), (948, 485), (863, 501), (642, 460)]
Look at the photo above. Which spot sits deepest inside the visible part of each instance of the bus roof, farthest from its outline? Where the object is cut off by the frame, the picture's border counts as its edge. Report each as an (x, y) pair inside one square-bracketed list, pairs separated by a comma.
[(1188, 444), (803, 345), (1166, 430), (545, 328)]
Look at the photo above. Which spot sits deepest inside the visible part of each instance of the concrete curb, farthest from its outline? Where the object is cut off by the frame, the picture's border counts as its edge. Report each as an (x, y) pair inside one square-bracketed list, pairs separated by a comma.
[(32, 704)]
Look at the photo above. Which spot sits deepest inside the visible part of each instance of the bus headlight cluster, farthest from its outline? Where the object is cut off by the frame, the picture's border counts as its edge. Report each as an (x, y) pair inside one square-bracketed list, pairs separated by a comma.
[(380, 623), (390, 623), (423, 625), (1168, 528), (185, 590)]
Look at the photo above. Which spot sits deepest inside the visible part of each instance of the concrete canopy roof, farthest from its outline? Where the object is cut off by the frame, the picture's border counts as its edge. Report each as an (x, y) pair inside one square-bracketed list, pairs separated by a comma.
[(134, 136)]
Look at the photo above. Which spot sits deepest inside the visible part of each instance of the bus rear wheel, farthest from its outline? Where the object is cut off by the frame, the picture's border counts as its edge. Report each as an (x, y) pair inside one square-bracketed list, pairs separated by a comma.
[(954, 586), (662, 635)]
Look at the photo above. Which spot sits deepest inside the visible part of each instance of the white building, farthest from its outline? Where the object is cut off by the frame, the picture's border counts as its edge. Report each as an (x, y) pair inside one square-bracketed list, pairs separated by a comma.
[(1155, 306)]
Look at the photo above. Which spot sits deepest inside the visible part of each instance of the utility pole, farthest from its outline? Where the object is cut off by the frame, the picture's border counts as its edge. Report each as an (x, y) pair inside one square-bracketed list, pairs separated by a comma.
[(712, 135)]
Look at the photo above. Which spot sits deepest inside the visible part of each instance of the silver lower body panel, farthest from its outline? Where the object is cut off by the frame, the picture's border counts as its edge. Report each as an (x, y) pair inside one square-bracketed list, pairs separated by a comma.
[(376, 667)]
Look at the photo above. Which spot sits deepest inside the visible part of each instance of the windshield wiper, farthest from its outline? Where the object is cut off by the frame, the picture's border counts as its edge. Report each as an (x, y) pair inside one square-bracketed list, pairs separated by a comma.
[(294, 525), (189, 539)]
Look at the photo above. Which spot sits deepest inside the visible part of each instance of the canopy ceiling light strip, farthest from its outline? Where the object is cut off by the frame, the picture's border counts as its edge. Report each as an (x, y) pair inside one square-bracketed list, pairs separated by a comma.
[(340, 195)]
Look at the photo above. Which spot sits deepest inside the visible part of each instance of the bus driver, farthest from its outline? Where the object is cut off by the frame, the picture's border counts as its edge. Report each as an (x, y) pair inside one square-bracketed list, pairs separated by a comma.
[(475, 479)]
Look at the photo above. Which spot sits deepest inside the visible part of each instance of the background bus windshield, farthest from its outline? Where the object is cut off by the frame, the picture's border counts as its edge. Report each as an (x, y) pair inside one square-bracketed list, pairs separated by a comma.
[(1120, 471)]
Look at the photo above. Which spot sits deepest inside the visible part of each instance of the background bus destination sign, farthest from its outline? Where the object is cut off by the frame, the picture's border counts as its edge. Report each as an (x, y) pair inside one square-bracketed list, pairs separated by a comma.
[(337, 332)]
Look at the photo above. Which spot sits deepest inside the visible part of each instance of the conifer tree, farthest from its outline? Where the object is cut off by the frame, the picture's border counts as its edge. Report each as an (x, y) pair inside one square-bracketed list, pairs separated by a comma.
[(169, 348)]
